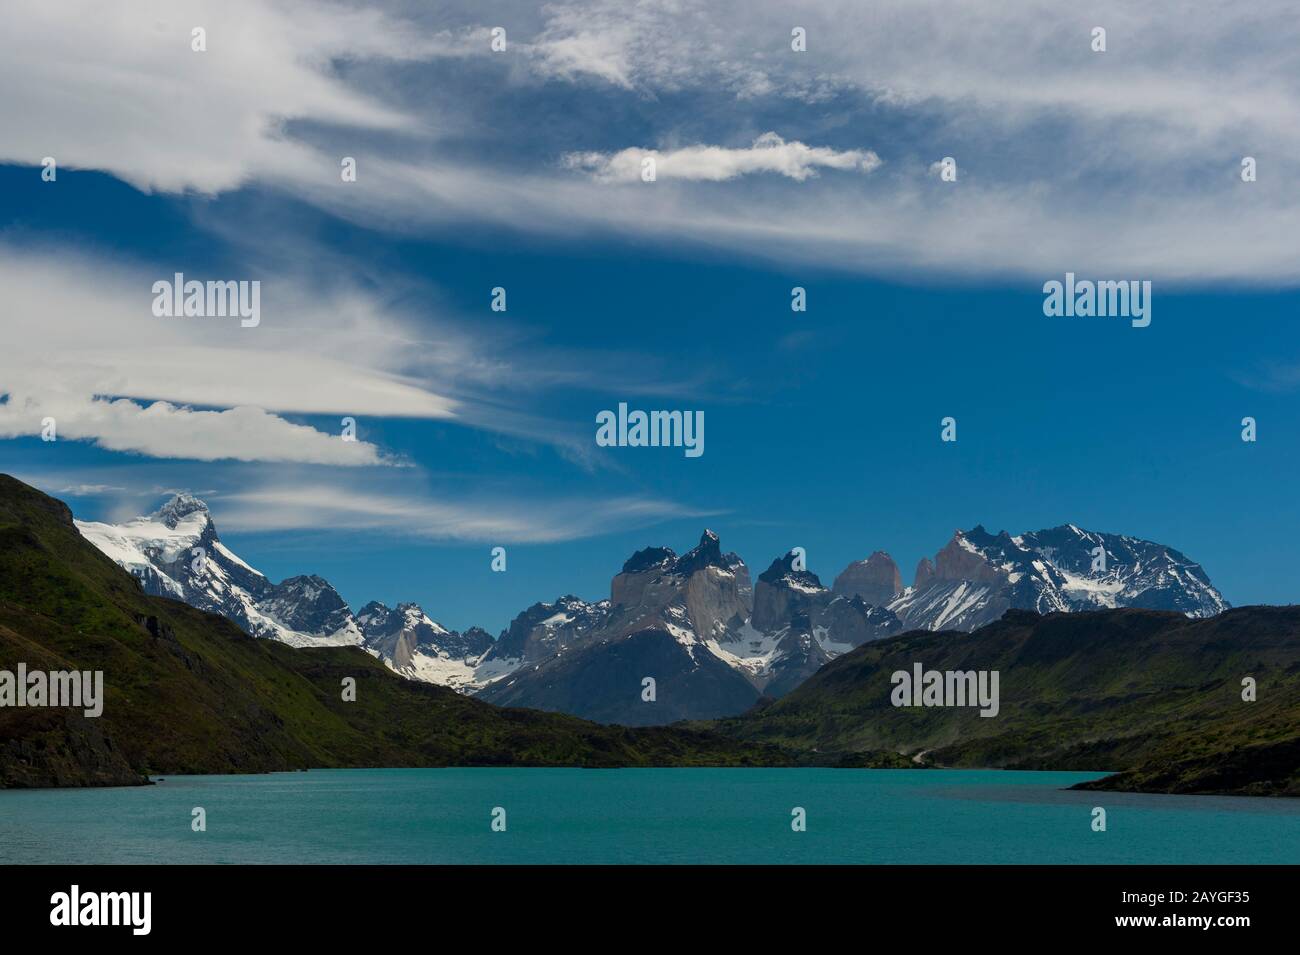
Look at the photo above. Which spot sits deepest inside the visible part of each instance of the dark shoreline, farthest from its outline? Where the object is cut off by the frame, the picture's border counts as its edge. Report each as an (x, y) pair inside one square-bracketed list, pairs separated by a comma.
[(1114, 781)]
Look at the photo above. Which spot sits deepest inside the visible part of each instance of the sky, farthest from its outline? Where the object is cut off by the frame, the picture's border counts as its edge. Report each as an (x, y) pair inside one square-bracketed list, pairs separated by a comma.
[(775, 169)]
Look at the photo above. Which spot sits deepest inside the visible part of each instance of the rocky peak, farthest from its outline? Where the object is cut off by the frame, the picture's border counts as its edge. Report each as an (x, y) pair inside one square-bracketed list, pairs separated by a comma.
[(649, 558), (782, 572), (875, 579), (307, 604), (373, 615), (924, 573), (707, 553), (477, 640), (181, 506), (545, 628), (969, 556), (782, 592)]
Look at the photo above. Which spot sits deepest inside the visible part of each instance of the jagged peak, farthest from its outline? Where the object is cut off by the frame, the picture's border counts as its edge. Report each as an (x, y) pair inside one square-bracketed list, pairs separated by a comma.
[(311, 585), (181, 505), (707, 553), (649, 557), (878, 575), (783, 568)]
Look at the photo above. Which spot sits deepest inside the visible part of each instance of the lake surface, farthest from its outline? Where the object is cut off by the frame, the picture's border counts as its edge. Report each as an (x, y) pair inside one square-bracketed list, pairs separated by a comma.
[(639, 816)]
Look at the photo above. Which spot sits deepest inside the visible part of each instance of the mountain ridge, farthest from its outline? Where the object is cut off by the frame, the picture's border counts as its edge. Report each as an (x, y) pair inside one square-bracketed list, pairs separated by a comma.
[(773, 631)]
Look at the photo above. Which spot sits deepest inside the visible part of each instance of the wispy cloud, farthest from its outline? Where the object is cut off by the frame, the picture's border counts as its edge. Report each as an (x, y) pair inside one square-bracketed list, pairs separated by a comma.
[(336, 507), (121, 89), (408, 505), (89, 490), (1131, 154)]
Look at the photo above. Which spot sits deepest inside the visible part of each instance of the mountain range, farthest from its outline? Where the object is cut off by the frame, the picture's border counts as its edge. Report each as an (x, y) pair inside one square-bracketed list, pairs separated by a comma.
[(187, 691), (1162, 700), (713, 640)]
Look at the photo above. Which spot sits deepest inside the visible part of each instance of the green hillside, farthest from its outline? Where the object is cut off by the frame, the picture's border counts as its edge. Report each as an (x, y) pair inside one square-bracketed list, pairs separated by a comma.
[(1153, 695), (189, 692)]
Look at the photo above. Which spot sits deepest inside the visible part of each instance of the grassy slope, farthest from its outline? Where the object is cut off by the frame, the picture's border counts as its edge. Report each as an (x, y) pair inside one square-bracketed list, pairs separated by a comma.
[(188, 692), (1151, 694)]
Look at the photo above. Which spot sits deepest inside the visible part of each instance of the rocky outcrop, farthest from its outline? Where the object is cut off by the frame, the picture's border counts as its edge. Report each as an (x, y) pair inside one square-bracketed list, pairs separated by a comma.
[(308, 604), (876, 579), (546, 629), (849, 622), (782, 591), (44, 748)]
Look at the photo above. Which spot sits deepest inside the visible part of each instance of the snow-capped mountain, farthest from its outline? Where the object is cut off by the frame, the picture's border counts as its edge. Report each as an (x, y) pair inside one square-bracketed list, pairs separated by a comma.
[(797, 625), (978, 576), (542, 631), (417, 646), (175, 552), (676, 618), (663, 620), (712, 640)]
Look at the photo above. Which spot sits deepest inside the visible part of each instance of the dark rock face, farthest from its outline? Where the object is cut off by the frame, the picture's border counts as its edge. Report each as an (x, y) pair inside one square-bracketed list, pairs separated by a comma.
[(782, 591), (545, 629), (649, 558), (45, 748), (707, 553), (309, 605), (850, 622), (476, 641)]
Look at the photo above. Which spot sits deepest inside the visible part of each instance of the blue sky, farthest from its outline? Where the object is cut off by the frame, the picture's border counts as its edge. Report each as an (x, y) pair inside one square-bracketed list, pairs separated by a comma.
[(822, 428)]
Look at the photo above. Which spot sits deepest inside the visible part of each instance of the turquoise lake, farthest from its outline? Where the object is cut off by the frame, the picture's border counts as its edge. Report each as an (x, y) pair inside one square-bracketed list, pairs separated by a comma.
[(639, 816)]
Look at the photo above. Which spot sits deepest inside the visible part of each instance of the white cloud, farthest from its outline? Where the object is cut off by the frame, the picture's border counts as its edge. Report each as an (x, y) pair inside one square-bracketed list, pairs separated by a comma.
[(163, 430), (306, 506), (1119, 163), (83, 347), (118, 88), (1124, 163), (770, 153)]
